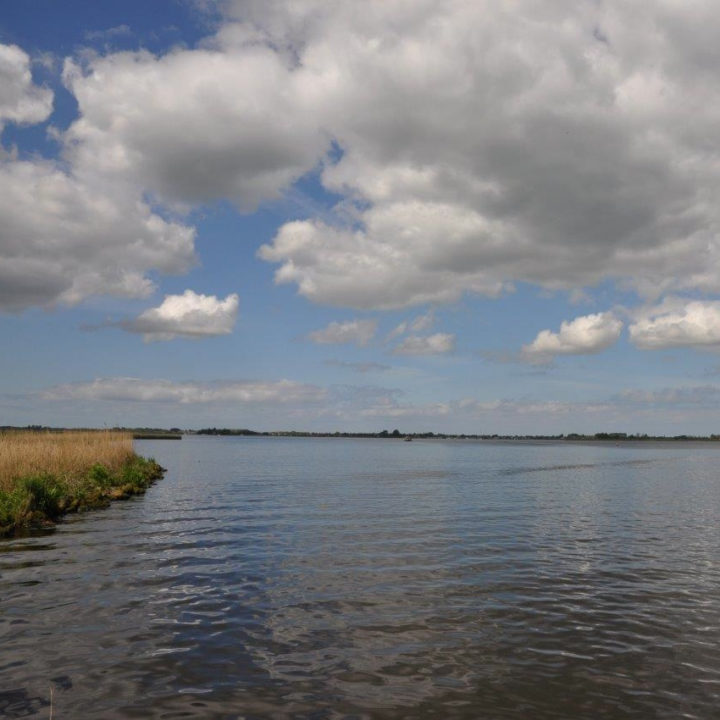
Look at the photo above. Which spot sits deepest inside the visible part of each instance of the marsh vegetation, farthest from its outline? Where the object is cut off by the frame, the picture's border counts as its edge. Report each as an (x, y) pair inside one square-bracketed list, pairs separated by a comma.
[(44, 475)]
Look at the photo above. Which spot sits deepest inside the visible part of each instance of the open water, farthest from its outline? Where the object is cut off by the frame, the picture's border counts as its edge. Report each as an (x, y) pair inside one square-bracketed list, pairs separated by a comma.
[(329, 578)]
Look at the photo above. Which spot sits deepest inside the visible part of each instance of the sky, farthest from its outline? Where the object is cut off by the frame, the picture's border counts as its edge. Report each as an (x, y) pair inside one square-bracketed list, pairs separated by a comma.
[(432, 215)]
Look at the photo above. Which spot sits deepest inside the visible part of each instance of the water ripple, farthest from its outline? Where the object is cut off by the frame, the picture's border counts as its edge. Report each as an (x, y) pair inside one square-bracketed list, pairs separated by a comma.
[(270, 578)]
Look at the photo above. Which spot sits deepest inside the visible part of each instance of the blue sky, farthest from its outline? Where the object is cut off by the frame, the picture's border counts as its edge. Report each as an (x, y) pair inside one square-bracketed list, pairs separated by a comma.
[(451, 216)]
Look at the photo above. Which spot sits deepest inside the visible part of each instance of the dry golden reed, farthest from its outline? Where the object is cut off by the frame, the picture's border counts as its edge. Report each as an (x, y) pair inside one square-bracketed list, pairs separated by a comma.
[(67, 455)]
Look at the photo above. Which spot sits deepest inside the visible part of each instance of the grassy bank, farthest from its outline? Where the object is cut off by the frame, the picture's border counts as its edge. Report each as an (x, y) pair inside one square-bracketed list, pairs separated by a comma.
[(44, 475)]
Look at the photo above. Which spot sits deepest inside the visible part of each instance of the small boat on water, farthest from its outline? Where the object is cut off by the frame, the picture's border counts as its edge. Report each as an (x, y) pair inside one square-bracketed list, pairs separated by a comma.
[(407, 438)]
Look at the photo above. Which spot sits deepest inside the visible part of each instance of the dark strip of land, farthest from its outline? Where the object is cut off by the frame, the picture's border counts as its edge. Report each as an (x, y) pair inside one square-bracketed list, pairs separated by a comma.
[(396, 434), (177, 434)]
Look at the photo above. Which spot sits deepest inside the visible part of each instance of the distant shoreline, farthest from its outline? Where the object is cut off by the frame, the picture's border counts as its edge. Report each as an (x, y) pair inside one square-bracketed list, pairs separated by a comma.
[(657, 442), (397, 435), (178, 434)]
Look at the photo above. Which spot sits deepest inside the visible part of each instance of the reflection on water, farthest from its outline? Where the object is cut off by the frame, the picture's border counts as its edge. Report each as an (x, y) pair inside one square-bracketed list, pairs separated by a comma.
[(296, 578)]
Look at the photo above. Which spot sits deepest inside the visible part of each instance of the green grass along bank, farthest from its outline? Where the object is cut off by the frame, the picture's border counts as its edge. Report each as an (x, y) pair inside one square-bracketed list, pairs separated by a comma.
[(40, 500)]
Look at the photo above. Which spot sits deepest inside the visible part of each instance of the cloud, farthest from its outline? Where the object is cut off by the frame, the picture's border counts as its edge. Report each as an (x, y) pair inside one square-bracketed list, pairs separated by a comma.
[(485, 144), (359, 332), (62, 240), (224, 121), (436, 344), (526, 407), (678, 323), (390, 405), (118, 31), (418, 324), (377, 267), (129, 389), (690, 396), (422, 322), (64, 237), (689, 409), (554, 143), (391, 410), (584, 335), (21, 101), (187, 315)]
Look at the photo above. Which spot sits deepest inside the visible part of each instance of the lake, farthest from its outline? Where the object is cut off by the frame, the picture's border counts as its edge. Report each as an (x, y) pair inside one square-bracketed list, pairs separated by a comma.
[(341, 578)]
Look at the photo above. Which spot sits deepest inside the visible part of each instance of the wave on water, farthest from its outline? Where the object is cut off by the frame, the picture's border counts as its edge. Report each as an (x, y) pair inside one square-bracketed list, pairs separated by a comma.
[(580, 466)]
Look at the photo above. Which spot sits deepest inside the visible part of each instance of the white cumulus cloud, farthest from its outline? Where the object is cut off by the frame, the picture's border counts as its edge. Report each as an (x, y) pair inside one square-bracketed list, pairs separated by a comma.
[(62, 240), (582, 336), (224, 121), (21, 101), (66, 235), (486, 143), (358, 332), (188, 315), (473, 145), (678, 324)]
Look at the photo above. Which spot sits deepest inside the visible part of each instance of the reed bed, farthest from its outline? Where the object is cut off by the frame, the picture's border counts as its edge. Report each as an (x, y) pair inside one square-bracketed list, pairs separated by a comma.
[(67, 455), (44, 475)]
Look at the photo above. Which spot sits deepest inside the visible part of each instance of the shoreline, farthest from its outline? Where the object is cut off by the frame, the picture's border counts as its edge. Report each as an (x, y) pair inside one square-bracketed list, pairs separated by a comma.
[(41, 500), (630, 441)]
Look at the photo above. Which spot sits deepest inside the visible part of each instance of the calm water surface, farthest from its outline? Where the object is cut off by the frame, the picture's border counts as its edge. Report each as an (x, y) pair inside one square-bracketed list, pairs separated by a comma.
[(297, 578)]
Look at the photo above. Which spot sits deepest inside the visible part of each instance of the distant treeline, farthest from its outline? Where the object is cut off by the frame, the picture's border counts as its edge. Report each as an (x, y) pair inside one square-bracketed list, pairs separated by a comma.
[(228, 431), (146, 432), (396, 434)]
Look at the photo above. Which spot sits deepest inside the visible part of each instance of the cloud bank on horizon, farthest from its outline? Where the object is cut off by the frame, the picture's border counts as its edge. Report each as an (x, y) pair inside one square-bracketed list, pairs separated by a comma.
[(461, 148)]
